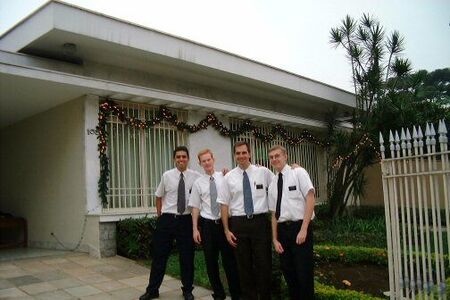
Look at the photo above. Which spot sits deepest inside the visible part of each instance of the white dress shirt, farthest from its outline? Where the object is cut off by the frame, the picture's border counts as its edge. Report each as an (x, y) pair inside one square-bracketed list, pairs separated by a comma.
[(232, 193), (200, 197), (168, 189), (296, 185)]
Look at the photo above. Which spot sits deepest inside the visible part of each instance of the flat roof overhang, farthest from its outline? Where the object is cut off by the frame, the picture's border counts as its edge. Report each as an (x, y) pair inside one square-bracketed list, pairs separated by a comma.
[(25, 91), (109, 41)]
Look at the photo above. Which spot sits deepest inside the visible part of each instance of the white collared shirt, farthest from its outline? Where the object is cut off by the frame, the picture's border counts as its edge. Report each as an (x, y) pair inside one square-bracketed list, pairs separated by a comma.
[(168, 189), (296, 185), (200, 196), (232, 193)]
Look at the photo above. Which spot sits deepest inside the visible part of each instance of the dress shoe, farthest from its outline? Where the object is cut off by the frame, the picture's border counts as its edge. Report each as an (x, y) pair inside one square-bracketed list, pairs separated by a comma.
[(148, 296), (188, 296)]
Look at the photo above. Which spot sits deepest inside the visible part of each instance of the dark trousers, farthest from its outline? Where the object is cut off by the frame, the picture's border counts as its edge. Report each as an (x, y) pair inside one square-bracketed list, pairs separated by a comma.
[(171, 227), (297, 260), (215, 242), (253, 255)]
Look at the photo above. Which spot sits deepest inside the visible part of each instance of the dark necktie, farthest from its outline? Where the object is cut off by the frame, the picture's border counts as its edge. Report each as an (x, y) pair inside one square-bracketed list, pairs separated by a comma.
[(279, 195), (181, 204), (213, 196), (248, 200)]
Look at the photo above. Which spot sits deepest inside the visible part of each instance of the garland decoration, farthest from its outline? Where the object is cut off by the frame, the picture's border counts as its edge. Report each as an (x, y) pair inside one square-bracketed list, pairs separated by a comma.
[(108, 107)]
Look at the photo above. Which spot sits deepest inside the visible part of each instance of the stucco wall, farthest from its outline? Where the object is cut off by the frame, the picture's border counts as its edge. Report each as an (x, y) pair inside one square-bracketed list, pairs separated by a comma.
[(373, 192), (209, 138), (42, 174)]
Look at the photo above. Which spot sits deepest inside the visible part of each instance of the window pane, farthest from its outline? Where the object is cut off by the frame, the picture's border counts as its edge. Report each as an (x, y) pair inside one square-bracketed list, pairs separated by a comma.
[(138, 157), (308, 155)]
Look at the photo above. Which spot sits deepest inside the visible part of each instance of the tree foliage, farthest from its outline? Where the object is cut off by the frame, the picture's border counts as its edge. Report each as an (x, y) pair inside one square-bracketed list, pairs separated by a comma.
[(387, 97)]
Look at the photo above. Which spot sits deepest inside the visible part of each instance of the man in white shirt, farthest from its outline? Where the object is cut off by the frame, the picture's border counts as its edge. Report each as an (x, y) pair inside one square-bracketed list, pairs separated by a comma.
[(203, 201), (174, 223), (244, 197), (291, 200)]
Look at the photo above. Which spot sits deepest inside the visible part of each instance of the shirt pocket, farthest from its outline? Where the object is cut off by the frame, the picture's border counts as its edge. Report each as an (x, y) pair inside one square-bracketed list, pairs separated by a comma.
[(293, 190), (260, 189)]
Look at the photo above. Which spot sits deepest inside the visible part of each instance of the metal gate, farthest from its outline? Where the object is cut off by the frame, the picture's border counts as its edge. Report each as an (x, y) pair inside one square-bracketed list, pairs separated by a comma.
[(416, 182)]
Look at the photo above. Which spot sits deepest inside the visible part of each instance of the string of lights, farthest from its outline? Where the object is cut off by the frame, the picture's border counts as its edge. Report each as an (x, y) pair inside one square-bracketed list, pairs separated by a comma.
[(108, 107)]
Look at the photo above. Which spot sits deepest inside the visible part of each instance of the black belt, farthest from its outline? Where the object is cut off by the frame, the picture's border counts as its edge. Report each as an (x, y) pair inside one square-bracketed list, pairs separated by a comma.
[(254, 216), (218, 221), (289, 222), (175, 216)]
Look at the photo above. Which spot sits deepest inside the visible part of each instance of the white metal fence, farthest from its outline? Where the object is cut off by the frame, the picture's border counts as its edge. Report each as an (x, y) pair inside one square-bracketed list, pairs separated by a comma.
[(416, 182), (138, 157), (310, 156)]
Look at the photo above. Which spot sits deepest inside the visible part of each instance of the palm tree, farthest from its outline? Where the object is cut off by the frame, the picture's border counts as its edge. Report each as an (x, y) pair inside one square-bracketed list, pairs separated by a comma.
[(376, 70)]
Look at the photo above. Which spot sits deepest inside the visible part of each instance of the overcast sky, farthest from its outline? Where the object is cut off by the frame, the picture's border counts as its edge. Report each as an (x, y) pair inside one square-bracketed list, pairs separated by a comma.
[(289, 34)]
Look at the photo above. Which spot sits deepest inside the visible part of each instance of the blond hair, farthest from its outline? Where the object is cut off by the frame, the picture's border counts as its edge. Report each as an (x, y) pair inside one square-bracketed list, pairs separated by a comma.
[(278, 147), (204, 151)]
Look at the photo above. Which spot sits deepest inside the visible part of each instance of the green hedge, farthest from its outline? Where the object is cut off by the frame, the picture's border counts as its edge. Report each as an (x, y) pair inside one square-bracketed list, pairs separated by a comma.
[(350, 255), (354, 255), (134, 237), (326, 292)]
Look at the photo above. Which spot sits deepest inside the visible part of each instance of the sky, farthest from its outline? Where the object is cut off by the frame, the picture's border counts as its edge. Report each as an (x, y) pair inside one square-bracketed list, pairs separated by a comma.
[(292, 35)]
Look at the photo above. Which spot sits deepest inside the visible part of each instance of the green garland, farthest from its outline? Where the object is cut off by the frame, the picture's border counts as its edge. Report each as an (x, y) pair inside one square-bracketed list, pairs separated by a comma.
[(108, 107)]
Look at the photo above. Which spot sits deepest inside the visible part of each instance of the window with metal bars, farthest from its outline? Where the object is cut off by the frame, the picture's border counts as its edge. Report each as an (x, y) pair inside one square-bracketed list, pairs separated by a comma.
[(138, 157), (310, 156)]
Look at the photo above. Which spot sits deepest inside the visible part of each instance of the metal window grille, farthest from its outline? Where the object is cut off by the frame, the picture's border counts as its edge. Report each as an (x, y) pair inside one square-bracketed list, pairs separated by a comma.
[(308, 155), (138, 157)]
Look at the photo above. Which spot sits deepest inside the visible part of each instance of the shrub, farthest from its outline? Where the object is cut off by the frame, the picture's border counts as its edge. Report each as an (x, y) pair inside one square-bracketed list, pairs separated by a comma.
[(350, 254), (325, 292), (361, 226), (134, 237)]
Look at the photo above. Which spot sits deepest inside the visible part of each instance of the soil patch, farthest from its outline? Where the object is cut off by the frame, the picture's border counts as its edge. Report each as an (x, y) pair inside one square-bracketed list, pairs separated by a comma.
[(370, 279)]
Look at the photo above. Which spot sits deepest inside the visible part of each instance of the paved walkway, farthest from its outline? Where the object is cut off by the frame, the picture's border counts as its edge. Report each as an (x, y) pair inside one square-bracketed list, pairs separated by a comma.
[(68, 275)]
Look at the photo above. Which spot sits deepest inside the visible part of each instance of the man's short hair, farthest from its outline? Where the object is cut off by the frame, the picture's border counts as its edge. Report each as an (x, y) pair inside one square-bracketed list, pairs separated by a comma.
[(180, 148), (204, 151), (242, 143), (278, 147)]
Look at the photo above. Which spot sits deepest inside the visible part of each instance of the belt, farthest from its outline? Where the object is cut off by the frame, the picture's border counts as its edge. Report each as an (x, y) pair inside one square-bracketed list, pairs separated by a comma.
[(176, 216), (249, 217), (289, 222), (218, 221)]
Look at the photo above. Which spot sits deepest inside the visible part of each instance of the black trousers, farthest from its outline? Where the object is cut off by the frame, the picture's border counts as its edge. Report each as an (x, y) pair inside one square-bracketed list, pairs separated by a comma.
[(215, 242), (253, 255), (172, 227), (297, 261)]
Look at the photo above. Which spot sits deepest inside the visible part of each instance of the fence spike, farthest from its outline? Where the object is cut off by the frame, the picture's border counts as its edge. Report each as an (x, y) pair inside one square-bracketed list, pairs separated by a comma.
[(397, 142), (420, 136), (403, 138), (432, 131), (442, 128), (391, 142), (442, 133), (408, 139), (433, 135), (427, 130), (382, 149), (419, 133)]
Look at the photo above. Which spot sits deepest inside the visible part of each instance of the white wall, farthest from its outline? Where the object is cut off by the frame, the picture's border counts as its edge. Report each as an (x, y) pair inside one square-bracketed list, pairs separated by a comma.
[(209, 138), (42, 174)]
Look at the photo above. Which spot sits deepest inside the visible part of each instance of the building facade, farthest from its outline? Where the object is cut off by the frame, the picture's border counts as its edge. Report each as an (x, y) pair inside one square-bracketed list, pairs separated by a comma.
[(61, 63)]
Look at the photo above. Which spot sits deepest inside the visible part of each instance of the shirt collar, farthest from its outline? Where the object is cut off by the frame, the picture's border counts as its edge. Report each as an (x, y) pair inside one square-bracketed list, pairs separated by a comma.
[(179, 172), (285, 169), (242, 171)]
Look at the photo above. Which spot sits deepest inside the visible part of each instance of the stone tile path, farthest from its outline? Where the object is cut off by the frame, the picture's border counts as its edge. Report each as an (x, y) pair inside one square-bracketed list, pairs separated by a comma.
[(67, 275)]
